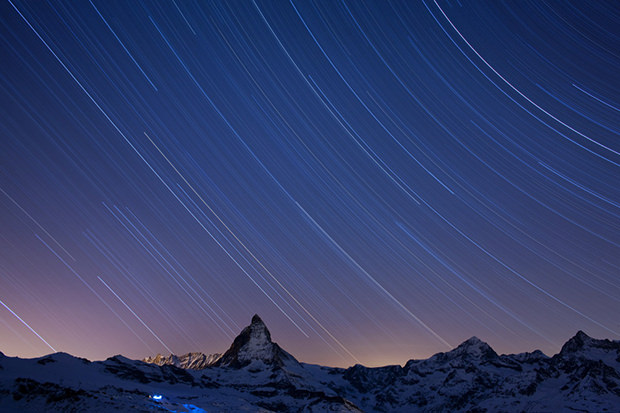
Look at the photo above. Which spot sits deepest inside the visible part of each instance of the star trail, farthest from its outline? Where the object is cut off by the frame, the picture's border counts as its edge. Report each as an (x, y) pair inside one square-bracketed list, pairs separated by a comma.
[(378, 180)]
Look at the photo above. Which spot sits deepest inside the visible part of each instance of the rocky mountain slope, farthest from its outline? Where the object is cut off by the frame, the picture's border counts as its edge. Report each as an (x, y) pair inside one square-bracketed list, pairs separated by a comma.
[(255, 374), (191, 361)]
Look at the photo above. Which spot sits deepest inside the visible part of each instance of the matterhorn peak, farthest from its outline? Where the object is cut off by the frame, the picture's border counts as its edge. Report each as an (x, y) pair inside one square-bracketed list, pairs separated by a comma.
[(254, 344), (258, 326)]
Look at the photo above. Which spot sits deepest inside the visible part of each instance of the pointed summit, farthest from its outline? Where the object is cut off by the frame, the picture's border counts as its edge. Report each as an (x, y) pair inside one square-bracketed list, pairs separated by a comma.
[(581, 343), (474, 347), (257, 320), (252, 345), (576, 343), (473, 341)]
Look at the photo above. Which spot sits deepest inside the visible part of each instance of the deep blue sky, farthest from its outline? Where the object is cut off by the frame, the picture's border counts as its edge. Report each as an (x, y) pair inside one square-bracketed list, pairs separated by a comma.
[(378, 180)]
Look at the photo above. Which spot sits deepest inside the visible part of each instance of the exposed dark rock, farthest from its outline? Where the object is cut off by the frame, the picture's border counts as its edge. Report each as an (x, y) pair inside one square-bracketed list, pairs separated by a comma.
[(254, 344)]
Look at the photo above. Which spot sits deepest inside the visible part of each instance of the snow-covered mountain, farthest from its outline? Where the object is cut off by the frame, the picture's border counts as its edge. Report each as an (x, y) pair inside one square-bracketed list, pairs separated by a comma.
[(255, 374), (192, 361), (253, 344)]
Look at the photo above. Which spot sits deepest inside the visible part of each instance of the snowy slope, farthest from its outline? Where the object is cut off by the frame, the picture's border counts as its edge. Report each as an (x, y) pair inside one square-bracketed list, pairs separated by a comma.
[(584, 376), (255, 374)]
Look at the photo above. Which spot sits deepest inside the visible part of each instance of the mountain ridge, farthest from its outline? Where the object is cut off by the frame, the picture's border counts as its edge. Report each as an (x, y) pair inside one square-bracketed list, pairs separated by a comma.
[(193, 360), (256, 374)]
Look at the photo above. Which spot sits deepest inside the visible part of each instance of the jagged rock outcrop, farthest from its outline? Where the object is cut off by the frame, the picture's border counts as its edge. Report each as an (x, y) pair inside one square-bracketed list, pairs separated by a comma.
[(254, 345), (192, 361)]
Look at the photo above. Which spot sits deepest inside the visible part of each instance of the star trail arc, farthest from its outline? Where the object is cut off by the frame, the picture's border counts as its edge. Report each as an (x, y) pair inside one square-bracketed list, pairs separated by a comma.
[(379, 181)]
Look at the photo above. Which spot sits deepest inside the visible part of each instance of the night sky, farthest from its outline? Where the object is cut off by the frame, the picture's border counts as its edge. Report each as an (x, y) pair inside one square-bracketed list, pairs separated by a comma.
[(379, 181)]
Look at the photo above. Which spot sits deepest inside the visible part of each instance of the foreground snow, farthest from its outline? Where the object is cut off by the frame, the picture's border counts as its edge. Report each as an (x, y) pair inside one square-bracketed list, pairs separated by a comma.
[(256, 375)]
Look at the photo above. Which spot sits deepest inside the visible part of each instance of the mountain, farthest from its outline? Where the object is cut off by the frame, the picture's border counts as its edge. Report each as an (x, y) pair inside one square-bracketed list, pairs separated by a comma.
[(192, 361), (253, 345), (256, 374)]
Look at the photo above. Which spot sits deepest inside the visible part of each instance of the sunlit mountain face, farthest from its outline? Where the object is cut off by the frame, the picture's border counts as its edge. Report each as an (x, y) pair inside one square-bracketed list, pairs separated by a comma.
[(379, 180)]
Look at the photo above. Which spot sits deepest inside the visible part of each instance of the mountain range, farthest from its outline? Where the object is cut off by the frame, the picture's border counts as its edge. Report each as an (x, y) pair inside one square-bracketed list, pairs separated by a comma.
[(257, 375)]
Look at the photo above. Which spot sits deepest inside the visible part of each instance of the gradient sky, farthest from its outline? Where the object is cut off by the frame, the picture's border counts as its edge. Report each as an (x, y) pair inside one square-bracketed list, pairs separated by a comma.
[(378, 180)]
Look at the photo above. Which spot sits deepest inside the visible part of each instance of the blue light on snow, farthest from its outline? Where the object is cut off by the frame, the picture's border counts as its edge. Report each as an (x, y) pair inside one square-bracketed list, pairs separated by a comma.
[(194, 409), (156, 397)]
